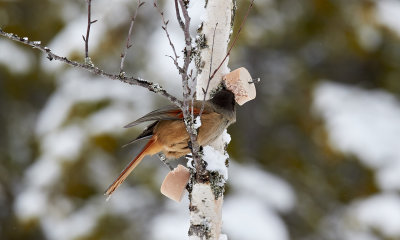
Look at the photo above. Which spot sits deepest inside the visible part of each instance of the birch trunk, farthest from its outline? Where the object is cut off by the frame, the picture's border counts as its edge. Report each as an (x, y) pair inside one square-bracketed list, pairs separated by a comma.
[(206, 198)]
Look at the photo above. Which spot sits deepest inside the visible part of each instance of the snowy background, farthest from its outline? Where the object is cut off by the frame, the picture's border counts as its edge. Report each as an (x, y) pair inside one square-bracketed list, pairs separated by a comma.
[(315, 156)]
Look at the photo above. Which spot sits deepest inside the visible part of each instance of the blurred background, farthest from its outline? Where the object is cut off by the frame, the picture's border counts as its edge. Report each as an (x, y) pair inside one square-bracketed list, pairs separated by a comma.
[(316, 156)]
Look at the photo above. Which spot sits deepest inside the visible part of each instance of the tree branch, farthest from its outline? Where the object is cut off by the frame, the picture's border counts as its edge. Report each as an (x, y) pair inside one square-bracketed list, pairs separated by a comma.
[(86, 39), (152, 87), (187, 50), (128, 40), (188, 97), (165, 28), (178, 15)]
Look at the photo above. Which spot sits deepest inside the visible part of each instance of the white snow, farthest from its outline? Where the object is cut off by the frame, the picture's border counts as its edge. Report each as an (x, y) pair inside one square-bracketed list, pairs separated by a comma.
[(14, 57), (342, 224), (247, 218), (71, 226), (73, 32), (388, 12), (44, 172), (75, 86), (60, 143), (69, 39), (121, 203), (197, 14), (269, 189), (30, 203), (53, 114), (226, 138), (381, 212), (250, 211), (365, 123), (216, 161), (197, 122), (65, 143), (350, 235), (388, 176), (170, 227), (108, 120), (164, 226)]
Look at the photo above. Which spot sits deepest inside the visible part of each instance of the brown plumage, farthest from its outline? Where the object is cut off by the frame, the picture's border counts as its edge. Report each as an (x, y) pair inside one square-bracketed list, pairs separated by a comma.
[(168, 133)]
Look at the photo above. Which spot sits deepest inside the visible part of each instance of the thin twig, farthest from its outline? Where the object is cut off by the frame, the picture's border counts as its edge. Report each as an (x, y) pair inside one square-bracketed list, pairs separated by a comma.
[(187, 105), (128, 40), (187, 51), (188, 97), (178, 16), (165, 28), (211, 58), (153, 87), (86, 39), (234, 40)]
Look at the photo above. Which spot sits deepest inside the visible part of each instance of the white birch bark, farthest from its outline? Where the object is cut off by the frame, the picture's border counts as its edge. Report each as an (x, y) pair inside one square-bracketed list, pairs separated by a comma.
[(217, 12), (205, 204)]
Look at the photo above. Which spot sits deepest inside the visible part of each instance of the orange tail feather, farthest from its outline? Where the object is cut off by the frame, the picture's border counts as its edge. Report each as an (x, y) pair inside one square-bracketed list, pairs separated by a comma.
[(147, 150)]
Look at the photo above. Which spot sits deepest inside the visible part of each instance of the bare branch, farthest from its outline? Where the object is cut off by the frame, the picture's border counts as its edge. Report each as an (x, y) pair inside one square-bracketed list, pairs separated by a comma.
[(178, 16), (152, 87), (187, 51), (234, 40), (86, 39), (188, 97), (128, 40), (165, 28)]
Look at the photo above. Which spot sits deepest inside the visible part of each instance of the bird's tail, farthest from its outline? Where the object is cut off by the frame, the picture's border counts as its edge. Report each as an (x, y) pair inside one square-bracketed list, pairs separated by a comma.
[(149, 149)]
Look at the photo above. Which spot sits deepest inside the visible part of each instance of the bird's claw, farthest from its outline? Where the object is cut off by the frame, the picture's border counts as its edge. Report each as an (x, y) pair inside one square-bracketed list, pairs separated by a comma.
[(163, 159)]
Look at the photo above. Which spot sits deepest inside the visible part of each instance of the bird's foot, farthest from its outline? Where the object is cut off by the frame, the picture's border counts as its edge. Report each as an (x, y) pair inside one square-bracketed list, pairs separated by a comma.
[(164, 159)]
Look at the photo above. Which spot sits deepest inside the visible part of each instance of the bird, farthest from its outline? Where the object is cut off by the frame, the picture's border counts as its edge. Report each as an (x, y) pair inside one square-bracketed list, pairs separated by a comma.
[(168, 135)]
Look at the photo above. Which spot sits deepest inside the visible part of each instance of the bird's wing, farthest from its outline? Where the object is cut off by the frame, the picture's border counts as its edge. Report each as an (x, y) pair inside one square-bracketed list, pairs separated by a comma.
[(145, 135), (165, 113), (170, 112), (136, 140)]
